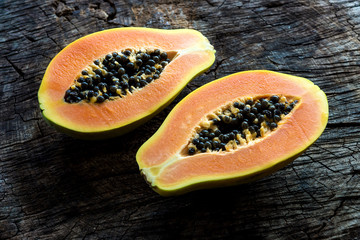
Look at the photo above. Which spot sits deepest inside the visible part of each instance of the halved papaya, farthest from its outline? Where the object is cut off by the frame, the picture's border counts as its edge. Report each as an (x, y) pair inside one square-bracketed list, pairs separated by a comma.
[(107, 83), (233, 130)]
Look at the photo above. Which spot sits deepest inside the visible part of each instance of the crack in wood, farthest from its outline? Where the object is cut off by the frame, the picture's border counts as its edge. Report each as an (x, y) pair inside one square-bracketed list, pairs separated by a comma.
[(67, 18), (43, 11), (335, 211), (210, 3), (221, 4), (53, 40), (324, 165), (217, 65), (112, 15), (305, 190), (18, 70), (31, 39), (342, 124), (276, 4)]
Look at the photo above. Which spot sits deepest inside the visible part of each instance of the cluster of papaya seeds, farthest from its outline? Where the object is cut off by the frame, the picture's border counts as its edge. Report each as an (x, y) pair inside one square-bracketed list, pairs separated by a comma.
[(232, 130), (117, 74), (240, 123)]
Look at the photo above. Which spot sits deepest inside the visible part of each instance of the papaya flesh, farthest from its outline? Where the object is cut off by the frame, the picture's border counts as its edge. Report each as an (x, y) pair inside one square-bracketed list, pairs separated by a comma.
[(190, 54), (171, 168)]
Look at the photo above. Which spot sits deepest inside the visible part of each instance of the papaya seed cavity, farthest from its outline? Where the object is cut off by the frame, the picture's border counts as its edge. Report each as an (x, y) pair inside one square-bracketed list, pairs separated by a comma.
[(240, 122), (117, 74)]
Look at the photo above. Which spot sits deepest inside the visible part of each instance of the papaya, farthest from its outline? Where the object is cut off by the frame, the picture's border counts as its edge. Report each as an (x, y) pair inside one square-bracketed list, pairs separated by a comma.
[(109, 82), (233, 130)]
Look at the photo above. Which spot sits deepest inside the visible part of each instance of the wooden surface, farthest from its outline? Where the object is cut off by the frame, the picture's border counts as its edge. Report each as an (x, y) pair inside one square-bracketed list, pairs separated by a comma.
[(56, 187)]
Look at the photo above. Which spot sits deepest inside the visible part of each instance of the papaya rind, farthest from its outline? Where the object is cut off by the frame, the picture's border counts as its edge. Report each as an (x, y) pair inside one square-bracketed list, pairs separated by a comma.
[(217, 182), (151, 173), (85, 132)]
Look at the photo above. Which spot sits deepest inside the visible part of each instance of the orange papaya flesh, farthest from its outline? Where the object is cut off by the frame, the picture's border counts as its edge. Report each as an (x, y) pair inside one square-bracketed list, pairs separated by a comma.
[(191, 54), (169, 171)]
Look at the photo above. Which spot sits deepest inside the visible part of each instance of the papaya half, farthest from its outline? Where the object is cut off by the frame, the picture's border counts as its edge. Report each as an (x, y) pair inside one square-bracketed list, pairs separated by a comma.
[(233, 130), (107, 83)]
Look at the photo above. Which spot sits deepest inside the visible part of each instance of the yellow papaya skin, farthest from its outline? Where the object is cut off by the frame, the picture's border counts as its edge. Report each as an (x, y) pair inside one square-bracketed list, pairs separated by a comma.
[(192, 55), (171, 172)]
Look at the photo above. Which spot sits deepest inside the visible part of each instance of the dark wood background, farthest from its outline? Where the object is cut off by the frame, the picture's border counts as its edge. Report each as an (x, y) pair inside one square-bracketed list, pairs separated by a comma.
[(56, 187)]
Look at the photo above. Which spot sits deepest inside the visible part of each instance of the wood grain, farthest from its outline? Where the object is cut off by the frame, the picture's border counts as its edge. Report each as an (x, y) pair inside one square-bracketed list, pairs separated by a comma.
[(56, 187)]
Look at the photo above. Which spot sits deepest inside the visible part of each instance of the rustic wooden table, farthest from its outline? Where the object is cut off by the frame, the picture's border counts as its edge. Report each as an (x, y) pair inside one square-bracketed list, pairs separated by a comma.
[(56, 187)]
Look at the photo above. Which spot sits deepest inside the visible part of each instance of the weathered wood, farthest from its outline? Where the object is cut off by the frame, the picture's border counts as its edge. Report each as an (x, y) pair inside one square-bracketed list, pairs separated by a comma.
[(53, 186)]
